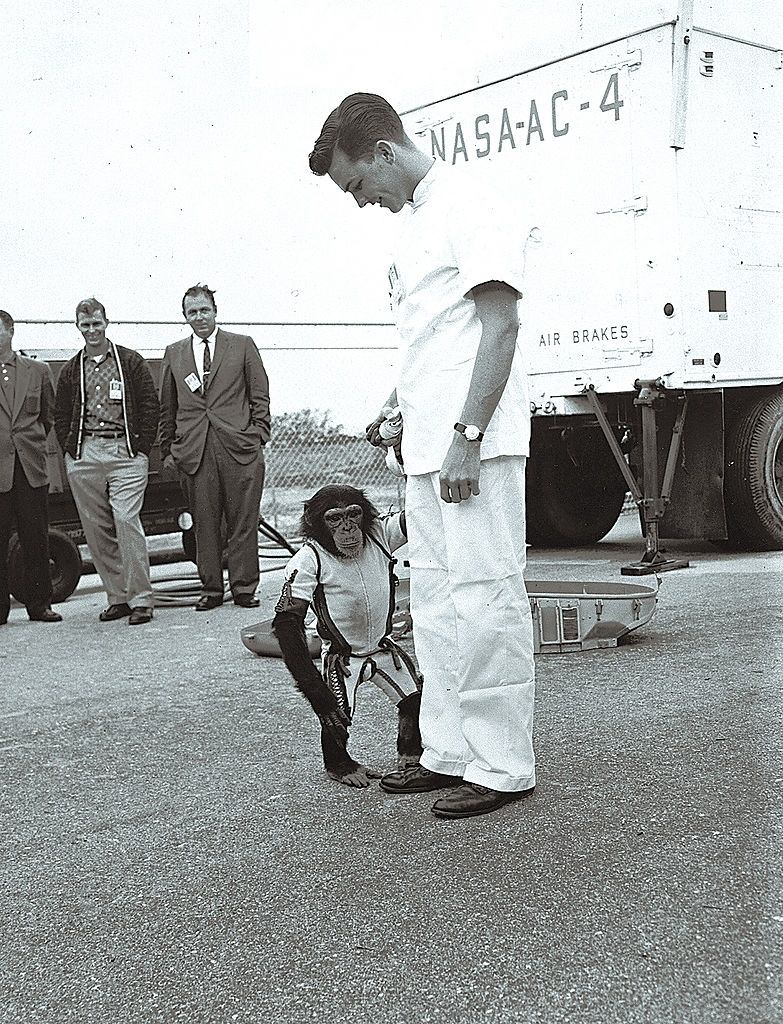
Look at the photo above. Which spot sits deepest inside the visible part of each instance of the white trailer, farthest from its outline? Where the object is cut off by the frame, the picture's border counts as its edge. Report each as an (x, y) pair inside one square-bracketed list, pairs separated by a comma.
[(652, 166)]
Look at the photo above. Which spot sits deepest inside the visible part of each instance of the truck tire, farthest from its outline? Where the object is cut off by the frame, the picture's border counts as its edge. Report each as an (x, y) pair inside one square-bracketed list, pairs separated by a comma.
[(65, 567), (575, 491), (753, 483)]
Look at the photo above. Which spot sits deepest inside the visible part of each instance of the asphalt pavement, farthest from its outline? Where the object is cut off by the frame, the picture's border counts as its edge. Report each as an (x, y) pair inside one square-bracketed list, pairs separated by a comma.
[(171, 849)]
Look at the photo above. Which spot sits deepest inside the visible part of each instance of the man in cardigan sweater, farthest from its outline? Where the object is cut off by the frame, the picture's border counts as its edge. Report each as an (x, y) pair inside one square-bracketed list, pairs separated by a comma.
[(106, 419)]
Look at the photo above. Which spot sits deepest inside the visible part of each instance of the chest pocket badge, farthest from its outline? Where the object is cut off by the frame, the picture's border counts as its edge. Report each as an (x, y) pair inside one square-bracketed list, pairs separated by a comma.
[(396, 290)]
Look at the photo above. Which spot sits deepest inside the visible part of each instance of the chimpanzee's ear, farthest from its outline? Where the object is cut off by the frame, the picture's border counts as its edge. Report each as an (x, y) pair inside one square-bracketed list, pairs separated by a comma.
[(307, 522)]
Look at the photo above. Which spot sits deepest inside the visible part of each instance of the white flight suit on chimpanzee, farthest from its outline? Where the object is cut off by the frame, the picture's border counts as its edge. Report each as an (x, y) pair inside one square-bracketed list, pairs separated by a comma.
[(353, 600)]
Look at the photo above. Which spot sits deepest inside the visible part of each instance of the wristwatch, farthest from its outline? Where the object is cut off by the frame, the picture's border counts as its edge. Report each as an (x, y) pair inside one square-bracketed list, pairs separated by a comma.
[(470, 430)]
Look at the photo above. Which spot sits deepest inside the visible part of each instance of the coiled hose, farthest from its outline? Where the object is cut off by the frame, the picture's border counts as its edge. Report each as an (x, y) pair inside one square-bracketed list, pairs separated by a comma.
[(185, 588)]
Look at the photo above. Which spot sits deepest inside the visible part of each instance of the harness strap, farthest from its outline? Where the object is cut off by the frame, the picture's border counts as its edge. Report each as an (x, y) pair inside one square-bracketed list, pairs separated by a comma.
[(399, 655), (393, 581), (394, 689)]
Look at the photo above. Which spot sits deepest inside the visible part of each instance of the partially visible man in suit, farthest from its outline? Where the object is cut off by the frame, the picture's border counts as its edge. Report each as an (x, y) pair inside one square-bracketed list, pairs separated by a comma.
[(26, 417), (106, 419), (214, 424)]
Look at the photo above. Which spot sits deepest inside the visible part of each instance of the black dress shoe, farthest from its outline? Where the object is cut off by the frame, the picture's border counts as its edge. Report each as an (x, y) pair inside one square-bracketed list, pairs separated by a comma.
[(208, 602), (115, 611), (44, 615), (246, 601), (139, 615), (471, 799), (417, 779)]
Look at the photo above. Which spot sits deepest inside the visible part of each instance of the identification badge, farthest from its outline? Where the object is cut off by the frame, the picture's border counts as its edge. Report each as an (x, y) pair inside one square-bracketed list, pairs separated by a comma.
[(193, 381), (396, 291), (115, 391)]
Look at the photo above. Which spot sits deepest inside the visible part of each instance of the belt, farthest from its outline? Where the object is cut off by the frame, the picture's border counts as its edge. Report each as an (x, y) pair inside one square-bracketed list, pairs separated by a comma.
[(114, 434)]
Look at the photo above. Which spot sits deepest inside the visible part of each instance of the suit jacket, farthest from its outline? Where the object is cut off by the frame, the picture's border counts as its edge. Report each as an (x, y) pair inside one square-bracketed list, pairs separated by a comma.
[(235, 404), (24, 427)]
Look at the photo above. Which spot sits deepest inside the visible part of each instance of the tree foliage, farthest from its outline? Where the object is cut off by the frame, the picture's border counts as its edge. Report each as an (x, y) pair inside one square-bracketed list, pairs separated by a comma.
[(305, 424)]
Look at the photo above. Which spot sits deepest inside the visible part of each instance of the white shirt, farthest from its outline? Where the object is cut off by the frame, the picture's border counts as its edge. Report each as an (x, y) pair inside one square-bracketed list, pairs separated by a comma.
[(198, 351), (356, 589), (453, 239)]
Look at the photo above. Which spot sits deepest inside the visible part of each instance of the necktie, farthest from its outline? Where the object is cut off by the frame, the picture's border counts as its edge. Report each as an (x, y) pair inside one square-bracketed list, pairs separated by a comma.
[(207, 365)]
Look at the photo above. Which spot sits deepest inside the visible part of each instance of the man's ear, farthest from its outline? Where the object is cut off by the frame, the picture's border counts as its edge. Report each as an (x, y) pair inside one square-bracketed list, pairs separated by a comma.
[(385, 151)]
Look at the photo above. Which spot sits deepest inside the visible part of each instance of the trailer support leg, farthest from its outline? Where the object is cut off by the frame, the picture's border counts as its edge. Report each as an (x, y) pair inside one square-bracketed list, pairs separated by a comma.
[(651, 504)]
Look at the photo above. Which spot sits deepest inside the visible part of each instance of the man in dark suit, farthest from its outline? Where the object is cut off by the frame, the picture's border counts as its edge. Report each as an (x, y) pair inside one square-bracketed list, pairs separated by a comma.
[(26, 417), (214, 424)]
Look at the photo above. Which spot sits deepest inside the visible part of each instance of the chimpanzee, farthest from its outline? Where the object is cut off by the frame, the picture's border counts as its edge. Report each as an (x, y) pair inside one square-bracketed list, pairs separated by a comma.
[(345, 570)]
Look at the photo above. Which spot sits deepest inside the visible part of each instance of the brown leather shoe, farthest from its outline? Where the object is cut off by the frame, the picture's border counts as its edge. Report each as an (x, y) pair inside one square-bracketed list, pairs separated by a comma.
[(114, 612), (207, 602), (417, 779), (246, 601), (471, 799), (139, 615)]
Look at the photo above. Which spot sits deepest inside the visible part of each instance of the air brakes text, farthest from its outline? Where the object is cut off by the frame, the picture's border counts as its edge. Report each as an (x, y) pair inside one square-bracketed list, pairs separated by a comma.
[(452, 142), (586, 336)]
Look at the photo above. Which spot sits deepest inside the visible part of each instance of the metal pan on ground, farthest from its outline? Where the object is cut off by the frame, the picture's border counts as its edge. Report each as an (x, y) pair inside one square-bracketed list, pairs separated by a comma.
[(583, 616)]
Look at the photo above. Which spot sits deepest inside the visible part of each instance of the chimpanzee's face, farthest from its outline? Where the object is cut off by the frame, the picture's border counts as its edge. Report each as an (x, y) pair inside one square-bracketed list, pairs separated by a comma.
[(345, 525)]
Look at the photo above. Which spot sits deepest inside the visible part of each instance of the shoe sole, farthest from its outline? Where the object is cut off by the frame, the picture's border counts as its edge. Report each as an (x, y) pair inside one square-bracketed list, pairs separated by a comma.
[(424, 789), (453, 815)]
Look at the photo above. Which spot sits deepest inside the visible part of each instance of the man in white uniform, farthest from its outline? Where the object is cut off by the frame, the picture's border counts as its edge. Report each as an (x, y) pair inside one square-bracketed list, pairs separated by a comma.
[(455, 285)]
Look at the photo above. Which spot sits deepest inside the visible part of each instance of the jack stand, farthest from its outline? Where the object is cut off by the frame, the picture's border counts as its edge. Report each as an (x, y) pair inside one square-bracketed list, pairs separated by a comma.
[(651, 507)]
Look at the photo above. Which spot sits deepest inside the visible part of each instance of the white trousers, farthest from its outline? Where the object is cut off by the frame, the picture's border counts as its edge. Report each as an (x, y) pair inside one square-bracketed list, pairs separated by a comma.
[(472, 627)]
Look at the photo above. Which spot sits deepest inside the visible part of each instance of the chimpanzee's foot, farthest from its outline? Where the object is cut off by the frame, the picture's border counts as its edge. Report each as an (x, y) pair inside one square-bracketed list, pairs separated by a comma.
[(359, 778), (407, 761)]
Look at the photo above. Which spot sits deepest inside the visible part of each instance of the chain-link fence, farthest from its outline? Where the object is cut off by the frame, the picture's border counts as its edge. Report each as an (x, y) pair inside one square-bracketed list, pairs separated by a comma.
[(296, 466)]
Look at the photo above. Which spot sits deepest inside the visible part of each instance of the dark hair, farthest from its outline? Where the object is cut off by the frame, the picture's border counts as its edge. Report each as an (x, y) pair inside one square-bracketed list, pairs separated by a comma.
[(7, 320), (354, 127), (333, 496), (199, 289), (90, 306)]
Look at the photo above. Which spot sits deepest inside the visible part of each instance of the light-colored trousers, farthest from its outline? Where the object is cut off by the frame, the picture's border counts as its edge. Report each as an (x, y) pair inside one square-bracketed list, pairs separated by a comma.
[(472, 627), (108, 488)]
